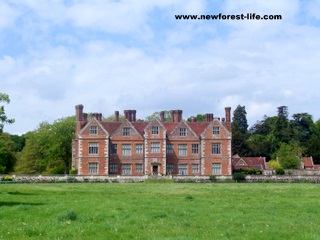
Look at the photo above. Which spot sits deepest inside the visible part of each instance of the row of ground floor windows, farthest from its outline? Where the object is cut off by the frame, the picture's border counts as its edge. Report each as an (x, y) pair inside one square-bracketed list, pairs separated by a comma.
[(126, 169)]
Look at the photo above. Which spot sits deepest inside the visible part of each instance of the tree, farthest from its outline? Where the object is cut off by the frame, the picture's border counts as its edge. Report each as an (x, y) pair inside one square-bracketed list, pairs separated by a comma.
[(240, 131), (3, 118), (199, 118), (282, 130), (167, 116), (7, 157), (287, 155)]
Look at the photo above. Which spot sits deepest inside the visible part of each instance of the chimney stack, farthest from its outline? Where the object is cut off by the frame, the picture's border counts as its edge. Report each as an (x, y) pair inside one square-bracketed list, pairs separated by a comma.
[(134, 115), (116, 113), (172, 113), (79, 112), (130, 115), (193, 119), (176, 115), (162, 116), (228, 118), (209, 117)]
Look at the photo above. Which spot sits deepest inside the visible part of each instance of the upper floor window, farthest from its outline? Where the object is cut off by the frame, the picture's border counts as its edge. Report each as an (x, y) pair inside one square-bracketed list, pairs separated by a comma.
[(155, 130), (183, 132), (216, 148), (126, 149), (126, 131), (114, 148), (93, 130), (155, 147), (182, 149), (216, 130), (169, 148), (93, 148), (195, 148), (139, 148)]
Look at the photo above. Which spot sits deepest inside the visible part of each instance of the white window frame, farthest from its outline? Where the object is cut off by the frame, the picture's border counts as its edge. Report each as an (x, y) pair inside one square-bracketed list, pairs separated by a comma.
[(126, 131), (154, 130), (182, 149), (216, 168), (170, 168), (215, 130), (155, 147), (93, 148), (216, 148), (139, 148), (93, 130), (195, 168), (113, 167), (195, 148), (183, 169), (139, 167), (169, 149), (126, 149), (183, 132), (93, 168), (126, 169)]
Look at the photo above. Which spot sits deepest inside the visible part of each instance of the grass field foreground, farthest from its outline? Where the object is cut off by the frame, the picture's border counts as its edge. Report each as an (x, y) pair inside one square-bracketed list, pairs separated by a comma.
[(160, 211)]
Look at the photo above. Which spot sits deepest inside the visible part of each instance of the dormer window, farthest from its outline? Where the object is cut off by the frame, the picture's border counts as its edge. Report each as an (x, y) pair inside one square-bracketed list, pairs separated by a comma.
[(126, 131), (183, 132), (216, 130), (155, 130), (93, 130)]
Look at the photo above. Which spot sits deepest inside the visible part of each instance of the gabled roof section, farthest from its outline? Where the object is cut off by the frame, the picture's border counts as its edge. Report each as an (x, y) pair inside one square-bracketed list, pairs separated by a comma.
[(183, 124), (140, 126), (128, 124), (249, 162), (308, 162), (155, 122), (198, 127), (111, 127), (92, 122), (215, 122)]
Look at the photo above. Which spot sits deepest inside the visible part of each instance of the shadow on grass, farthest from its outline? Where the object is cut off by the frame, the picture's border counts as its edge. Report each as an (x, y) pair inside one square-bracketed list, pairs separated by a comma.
[(11, 204), (20, 193)]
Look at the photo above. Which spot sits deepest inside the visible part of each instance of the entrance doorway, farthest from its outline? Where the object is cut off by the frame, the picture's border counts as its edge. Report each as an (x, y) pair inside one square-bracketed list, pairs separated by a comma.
[(155, 169)]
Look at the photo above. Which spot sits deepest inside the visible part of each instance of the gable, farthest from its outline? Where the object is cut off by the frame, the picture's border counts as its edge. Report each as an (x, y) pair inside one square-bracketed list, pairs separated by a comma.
[(93, 129), (211, 131), (155, 129), (182, 130), (241, 162), (126, 131)]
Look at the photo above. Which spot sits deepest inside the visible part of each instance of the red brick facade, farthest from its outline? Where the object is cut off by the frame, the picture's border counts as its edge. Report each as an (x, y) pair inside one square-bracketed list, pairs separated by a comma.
[(156, 147)]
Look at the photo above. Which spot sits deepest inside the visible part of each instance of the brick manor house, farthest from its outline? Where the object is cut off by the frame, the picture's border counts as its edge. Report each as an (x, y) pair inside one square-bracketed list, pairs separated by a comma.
[(137, 148)]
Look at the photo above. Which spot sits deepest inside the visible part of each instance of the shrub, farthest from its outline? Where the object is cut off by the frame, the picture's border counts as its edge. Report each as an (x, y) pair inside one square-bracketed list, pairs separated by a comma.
[(70, 215), (212, 178), (274, 164), (73, 172), (189, 197), (239, 176), (280, 171), (7, 178)]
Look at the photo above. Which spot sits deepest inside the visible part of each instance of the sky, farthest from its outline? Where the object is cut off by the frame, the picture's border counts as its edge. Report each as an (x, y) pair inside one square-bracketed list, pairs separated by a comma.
[(133, 54)]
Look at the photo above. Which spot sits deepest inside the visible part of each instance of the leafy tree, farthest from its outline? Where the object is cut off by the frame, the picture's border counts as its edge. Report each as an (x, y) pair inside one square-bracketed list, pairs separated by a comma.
[(287, 155), (167, 116), (7, 157), (199, 118), (282, 130), (3, 118), (240, 131), (273, 164)]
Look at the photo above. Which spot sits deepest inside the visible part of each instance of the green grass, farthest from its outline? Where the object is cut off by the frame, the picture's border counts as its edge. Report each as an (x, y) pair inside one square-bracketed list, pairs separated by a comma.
[(160, 211)]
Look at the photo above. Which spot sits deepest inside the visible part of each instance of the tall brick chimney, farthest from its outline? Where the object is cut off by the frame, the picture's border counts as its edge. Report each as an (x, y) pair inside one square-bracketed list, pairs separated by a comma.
[(228, 118), (134, 115), (172, 113), (116, 113), (209, 117), (130, 115), (79, 117), (162, 116), (176, 115)]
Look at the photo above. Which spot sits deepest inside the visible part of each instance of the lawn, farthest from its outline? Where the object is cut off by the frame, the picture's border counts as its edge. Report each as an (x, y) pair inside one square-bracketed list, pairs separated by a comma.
[(160, 211)]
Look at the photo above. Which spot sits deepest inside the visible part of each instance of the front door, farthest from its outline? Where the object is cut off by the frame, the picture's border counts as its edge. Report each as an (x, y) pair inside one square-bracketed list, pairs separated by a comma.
[(155, 169)]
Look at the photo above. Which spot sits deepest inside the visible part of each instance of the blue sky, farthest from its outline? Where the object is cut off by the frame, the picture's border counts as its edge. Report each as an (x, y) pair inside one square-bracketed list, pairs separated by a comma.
[(133, 54)]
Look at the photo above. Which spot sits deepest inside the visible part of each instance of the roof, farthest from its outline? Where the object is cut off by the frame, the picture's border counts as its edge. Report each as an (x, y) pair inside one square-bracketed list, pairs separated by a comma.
[(308, 162), (249, 162), (198, 127)]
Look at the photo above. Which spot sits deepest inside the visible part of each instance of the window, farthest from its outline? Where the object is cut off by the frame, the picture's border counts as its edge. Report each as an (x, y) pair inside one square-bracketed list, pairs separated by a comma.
[(195, 148), (139, 168), (182, 149), (126, 169), (183, 132), (126, 149), (216, 168), (114, 148), (93, 130), (155, 130), (216, 130), (93, 148), (195, 168), (113, 167), (169, 148), (93, 168), (155, 147), (169, 168), (126, 131), (216, 148), (182, 169), (138, 148)]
